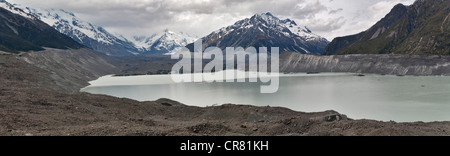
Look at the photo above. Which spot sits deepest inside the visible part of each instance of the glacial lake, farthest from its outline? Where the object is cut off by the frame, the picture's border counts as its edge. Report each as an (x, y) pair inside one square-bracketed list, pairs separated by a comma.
[(377, 97)]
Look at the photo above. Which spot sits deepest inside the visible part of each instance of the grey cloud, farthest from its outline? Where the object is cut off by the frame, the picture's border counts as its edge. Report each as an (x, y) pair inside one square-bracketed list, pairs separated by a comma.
[(309, 10), (328, 25), (335, 11)]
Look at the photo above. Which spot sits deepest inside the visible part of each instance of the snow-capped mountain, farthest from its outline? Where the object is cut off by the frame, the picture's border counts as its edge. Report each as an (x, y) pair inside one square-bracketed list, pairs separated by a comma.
[(8, 6), (266, 30), (83, 32), (301, 31), (20, 32), (99, 39), (162, 42)]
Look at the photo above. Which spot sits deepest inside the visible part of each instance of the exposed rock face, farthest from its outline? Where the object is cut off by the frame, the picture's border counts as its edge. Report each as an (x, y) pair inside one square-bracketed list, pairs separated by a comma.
[(367, 63)]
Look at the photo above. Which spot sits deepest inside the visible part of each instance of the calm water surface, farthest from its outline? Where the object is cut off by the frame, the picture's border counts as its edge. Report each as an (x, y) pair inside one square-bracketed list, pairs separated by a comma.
[(402, 99)]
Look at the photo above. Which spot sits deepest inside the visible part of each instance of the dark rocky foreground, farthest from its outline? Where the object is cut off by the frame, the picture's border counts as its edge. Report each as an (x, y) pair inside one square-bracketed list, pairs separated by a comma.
[(37, 98)]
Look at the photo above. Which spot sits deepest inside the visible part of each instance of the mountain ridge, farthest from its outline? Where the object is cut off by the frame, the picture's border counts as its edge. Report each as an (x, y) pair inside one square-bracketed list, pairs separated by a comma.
[(19, 31), (422, 28), (266, 30), (83, 32), (99, 39), (161, 43)]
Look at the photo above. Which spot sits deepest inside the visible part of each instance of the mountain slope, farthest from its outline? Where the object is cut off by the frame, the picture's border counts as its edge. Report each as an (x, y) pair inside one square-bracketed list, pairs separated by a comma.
[(266, 30), (20, 31), (422, 28), (83, 32), (99, 39)]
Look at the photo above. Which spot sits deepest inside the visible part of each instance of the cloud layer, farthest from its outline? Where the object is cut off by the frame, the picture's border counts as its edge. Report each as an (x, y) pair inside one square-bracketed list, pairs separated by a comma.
[(328, 18)]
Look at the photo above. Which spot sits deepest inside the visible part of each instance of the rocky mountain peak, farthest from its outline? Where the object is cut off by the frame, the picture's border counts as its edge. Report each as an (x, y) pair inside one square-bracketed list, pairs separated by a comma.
[(266, 30)]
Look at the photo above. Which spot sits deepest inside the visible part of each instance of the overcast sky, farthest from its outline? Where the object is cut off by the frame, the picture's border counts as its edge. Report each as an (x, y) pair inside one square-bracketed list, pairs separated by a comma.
[(328, 18)]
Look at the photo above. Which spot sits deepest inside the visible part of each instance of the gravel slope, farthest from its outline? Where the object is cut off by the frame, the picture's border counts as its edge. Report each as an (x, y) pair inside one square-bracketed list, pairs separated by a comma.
[(32, 102)]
